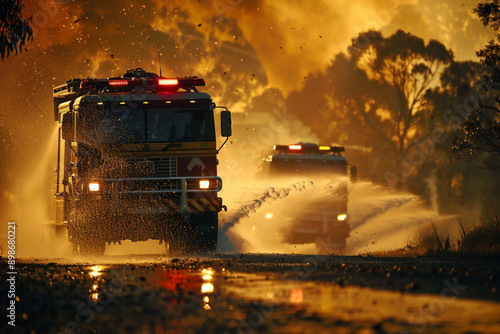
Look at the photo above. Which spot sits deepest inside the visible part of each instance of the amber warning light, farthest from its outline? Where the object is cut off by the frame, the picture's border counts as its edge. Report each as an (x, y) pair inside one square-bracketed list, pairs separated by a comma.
[(168, 82), (309, 149)]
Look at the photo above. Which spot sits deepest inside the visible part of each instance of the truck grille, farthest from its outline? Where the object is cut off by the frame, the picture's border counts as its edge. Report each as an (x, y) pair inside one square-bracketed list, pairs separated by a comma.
[(153, 167), (136, 171)]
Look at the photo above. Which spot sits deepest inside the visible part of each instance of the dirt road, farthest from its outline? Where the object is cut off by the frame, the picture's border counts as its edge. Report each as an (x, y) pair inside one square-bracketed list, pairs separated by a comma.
[(253, 293)]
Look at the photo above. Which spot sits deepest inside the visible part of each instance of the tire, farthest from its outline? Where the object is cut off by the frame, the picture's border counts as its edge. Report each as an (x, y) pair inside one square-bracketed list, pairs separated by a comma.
[(90, 247), (196, 235), (205, 232), (331, 245), (86, 236)]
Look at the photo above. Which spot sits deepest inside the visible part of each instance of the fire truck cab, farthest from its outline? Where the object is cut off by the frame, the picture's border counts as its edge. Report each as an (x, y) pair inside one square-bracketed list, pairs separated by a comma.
[(325, 222), (137, 160)]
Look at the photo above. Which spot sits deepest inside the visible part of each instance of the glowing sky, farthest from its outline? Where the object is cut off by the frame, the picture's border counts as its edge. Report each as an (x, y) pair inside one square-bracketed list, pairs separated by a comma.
[(252, 53), (279, 42)]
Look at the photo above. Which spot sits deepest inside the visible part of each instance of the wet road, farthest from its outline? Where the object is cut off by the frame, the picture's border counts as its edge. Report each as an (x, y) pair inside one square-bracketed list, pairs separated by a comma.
[(254, 293)]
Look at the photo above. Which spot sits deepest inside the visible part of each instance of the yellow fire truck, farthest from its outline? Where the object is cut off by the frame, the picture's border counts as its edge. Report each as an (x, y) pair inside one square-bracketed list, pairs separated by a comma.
[(325, 222), (137, 160)]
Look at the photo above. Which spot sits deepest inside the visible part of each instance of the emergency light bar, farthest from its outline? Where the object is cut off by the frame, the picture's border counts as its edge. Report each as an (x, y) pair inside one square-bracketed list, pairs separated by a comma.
[(131, 81), (125, 84), (308, 149)]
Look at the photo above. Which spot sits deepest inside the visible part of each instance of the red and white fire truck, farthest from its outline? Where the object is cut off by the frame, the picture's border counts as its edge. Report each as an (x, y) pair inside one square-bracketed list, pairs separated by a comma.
[(325, 222), (137, 160)]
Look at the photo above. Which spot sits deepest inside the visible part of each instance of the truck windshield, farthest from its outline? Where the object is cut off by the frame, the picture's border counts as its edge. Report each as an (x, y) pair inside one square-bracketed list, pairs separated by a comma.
[(123, 126), (179, 125)]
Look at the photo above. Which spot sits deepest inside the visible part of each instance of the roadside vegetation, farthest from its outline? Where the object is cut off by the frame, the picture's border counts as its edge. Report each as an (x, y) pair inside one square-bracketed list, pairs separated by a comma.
[(479, 240)]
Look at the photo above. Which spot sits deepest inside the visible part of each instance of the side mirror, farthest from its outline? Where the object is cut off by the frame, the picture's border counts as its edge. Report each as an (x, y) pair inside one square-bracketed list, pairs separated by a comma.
[(353, 173), (67, 126), (225, 123)]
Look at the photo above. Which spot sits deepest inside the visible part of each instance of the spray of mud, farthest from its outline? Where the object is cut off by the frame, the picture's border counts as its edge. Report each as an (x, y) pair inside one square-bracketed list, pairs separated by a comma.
[(259, 214), (34, 212), (380, 219), (250, 226), (33, 203)]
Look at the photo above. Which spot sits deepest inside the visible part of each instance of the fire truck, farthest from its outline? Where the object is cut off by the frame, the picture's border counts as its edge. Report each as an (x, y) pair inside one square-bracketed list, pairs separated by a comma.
[(137, 160), (325, 221)]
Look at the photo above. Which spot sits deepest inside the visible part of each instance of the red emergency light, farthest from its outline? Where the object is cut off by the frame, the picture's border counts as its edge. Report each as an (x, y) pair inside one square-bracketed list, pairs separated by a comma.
[(128, 85), (118, 82), (294, 147)]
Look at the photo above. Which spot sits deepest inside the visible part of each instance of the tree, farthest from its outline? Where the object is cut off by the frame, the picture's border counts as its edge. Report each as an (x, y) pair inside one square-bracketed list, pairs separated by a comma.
[(450, 104), (384, 90), (481, 129), (373, 98), (15, 30)]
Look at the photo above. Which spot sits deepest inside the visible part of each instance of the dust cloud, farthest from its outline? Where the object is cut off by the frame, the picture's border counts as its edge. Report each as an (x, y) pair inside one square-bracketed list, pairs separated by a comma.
[(35, 233), (380, 219), (252, 54)]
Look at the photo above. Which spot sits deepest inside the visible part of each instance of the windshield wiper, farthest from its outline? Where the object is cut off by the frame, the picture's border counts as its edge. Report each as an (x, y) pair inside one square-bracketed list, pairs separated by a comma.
[(175, 143), (172, 144)]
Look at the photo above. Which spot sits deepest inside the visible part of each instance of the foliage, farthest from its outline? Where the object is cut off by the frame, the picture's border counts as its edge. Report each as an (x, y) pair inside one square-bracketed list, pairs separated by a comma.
[(401, 67), (374, 99), (480, 241), (15, 30), (430, 240), (489, 14), (452, 103), (481, 129), (484, 237), (382, 83), (396, 102)]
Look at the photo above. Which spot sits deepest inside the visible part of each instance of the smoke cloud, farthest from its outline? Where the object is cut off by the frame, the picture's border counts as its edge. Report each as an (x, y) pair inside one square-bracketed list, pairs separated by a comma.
[(252, 54)]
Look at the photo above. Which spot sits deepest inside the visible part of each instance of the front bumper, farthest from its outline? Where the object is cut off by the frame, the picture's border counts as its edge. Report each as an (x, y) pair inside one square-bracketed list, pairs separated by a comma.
[(310, 228), (156, 195)]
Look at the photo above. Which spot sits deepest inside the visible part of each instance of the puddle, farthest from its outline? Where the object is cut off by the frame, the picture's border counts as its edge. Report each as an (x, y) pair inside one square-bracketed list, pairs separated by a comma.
[(156, 298), (391, 311)]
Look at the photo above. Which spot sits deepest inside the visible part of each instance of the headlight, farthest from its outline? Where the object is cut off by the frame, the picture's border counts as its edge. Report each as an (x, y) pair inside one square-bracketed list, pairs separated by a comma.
[(204, 184), (342, 217), (94, 186)]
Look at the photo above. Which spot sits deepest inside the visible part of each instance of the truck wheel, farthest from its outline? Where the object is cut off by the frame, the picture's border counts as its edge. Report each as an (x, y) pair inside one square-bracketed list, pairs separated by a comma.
[(205, 228), (89, 247), (176, 241), (205, 242), (87, 241), (61, 233), (331, 245), (196, 234)]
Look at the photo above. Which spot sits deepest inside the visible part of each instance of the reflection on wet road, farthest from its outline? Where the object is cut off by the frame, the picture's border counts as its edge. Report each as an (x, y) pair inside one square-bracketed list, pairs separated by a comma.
[(211, 295), (395, 312)]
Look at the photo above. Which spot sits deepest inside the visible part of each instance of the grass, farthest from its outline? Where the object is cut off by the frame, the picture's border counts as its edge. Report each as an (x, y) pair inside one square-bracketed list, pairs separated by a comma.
[(481, 240)]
